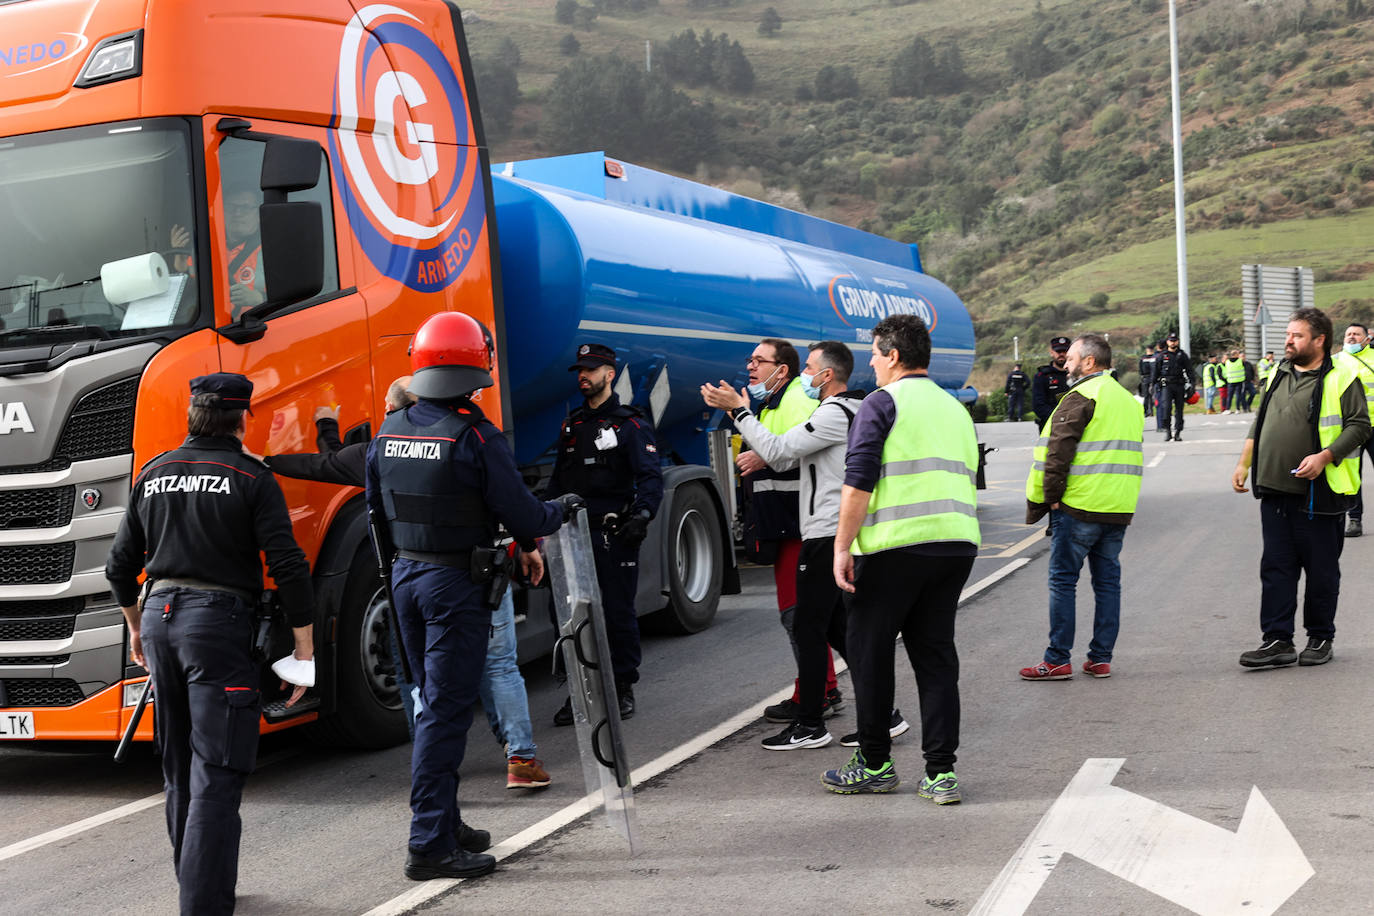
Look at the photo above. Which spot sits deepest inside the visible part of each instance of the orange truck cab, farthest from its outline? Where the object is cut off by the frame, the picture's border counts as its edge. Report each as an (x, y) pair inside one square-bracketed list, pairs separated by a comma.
[(281, 188)]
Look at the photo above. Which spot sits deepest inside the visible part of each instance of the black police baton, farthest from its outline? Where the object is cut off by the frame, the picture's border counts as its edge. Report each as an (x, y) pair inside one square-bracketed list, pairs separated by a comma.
[(381, 548), (128, 737)]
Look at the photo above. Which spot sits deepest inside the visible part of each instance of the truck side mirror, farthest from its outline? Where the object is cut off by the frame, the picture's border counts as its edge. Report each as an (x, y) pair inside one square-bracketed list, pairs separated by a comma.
[(292, 231), (292, 250), (290, 164)]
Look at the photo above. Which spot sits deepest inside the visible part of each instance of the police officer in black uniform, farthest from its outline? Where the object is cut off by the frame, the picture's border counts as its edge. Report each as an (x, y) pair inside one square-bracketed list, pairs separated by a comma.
[(1174, 383), (198, 517), (1050, 382), (1016, 386), (606, 453), (440, 480)]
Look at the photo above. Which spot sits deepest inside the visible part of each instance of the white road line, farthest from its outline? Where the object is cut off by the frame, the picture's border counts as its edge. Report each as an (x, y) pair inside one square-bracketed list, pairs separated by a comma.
[(61, 833), (1154, 462), (1020, 545), (993, 578), (430, 890), (114, 814)]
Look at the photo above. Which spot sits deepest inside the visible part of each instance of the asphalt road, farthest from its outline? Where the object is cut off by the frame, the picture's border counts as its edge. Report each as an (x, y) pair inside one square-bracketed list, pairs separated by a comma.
[(724, 826)]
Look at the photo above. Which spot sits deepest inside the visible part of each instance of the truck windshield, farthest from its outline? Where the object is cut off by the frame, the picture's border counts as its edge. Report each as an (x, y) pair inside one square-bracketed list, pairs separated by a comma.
[(98, 229)]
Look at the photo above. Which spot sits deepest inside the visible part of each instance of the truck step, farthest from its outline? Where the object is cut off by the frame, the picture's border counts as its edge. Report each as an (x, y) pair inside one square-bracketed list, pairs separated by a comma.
[(276, 710)]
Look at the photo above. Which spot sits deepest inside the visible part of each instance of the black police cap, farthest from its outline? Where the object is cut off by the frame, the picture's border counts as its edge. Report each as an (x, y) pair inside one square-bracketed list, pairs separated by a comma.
[(593, 356), (1059, 343), (230, 390), (1173, 335)]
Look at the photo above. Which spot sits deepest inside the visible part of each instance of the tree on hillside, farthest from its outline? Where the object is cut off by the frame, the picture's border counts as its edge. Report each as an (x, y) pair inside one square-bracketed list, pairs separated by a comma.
[(509, 52), (568, 45), (612, 104), (565, 12), (913, 69), (836, 83), (499, 92), (1052, 166), (1030, 57), (711, 60), (769, 23)]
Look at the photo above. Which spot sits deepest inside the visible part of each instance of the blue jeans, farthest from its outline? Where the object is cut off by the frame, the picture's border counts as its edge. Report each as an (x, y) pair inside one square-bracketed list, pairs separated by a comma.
[(502, 689), (1072, 541)]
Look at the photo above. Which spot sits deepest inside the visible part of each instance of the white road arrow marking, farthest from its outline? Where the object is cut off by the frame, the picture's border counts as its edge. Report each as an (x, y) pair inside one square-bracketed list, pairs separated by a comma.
[(1200, 866)]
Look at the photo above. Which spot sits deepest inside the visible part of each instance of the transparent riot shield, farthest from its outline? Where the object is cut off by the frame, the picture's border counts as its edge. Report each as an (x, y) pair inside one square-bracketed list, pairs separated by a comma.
[(591, 681)]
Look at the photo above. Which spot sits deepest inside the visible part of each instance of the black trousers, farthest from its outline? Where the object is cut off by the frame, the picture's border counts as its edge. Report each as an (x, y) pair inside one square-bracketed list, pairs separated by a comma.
[(1295, 544), (617, 575), (901, 593), (205, 688), (1016, 404), (820, 621), (444, 632), (1171, 401)]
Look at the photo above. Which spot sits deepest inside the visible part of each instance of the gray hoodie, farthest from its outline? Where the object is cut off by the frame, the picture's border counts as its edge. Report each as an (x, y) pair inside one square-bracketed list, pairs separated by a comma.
[(818, 445)]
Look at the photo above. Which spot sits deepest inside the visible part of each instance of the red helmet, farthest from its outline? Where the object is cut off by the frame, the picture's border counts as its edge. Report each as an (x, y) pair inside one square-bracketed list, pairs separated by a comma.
[(450, 356), (1192, 398)]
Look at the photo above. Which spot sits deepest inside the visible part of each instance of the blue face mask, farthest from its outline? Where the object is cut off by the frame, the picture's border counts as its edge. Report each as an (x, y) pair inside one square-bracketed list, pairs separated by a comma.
[(759, 390), (808, 389), (1353, 348)]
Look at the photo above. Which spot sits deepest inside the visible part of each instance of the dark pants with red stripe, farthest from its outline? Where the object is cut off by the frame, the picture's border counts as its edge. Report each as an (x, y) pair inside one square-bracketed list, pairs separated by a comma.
[(205, 693), (617, 576)]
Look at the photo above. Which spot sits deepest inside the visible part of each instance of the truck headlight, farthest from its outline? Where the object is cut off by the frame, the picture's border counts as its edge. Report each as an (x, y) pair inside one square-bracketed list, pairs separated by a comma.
[(115, 58)]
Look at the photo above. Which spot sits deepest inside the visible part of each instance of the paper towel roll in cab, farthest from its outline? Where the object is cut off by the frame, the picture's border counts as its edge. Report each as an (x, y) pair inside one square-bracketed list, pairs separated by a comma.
[(138, 277)]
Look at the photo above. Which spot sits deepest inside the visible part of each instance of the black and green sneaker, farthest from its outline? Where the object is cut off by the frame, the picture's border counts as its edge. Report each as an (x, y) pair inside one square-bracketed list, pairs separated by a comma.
[(942, 789), (855, 777)]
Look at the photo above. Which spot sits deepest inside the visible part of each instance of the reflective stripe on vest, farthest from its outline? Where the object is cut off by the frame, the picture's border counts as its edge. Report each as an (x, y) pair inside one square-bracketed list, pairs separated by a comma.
[(1343, 478), (1362, 364), (925, 491), (1107, 466)]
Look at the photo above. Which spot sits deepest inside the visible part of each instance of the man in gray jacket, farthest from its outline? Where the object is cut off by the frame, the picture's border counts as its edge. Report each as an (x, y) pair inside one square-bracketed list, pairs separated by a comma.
[(818, 446)]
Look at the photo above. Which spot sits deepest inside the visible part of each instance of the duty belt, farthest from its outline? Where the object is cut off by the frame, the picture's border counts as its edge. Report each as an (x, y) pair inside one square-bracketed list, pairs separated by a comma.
[(202, 585), (458, 559)]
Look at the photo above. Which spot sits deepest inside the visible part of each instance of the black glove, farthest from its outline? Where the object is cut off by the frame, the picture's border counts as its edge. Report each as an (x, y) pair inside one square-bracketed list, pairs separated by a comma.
[(634, 529), (569, 503)]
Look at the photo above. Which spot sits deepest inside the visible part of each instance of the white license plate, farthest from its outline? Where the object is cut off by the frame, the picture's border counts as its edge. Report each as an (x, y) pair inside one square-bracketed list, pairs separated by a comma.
[(15, 724)]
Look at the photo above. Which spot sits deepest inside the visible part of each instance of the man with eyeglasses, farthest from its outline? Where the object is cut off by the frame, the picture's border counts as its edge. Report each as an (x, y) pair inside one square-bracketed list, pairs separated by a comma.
[(772, 522), (247, 286)]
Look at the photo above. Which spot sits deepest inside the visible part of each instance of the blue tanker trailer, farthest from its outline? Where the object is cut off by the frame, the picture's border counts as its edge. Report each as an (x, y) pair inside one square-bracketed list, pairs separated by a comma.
[(683, 279)]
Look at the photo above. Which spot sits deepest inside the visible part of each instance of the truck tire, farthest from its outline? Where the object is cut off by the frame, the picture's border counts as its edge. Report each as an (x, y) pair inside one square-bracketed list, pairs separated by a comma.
[(369, 712), (696, 562)]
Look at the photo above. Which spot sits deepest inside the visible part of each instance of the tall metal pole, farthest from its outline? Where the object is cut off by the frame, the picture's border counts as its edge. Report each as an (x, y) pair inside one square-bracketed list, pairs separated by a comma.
[(1180, 218)]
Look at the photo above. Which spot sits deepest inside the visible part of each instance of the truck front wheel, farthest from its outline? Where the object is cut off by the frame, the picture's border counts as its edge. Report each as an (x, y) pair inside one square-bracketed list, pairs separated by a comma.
[(369, 712), (696, 561)]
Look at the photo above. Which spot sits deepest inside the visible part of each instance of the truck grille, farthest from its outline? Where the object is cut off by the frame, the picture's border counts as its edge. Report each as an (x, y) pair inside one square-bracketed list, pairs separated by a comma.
[(42, 691), (41, 607), (36, 564), (39, 618), (101, 424), (47, 508), (34, 659), (39, 628)]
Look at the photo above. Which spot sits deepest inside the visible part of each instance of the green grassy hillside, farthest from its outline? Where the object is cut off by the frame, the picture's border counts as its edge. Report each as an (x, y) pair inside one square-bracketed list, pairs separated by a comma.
[(1036, 176)]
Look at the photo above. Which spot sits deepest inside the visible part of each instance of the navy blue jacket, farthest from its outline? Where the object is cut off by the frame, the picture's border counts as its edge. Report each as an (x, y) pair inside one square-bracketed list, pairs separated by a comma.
[(481, 459)]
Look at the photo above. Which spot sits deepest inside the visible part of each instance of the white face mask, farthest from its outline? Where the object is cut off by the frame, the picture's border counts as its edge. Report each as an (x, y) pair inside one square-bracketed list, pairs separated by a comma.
[(1353, 347), (759, 390), (811, 391)]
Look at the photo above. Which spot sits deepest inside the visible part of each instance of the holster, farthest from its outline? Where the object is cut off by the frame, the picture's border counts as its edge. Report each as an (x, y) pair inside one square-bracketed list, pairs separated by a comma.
[(265, 621), (491, 566)]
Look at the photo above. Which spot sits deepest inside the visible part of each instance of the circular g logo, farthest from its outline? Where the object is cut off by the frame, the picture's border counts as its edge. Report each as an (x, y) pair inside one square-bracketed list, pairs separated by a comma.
[(401, 153)]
